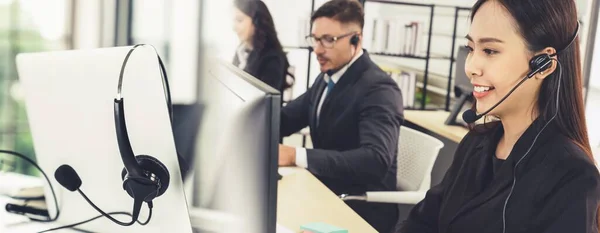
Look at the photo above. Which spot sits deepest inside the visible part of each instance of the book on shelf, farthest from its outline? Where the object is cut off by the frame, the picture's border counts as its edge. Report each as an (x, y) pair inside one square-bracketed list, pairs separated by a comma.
[(406, 81), (396, 36), (303, 31)]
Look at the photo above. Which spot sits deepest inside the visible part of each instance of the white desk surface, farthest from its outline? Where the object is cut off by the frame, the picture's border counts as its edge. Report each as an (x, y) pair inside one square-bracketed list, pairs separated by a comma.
[(302, 199), (12, 223)]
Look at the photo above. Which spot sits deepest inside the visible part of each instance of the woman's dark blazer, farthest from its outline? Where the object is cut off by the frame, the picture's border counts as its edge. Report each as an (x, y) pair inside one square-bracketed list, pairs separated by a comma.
[(557, 187), (269, 65)]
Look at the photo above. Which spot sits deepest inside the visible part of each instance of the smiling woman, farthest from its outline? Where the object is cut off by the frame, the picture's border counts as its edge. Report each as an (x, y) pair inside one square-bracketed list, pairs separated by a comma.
[(532, 170)]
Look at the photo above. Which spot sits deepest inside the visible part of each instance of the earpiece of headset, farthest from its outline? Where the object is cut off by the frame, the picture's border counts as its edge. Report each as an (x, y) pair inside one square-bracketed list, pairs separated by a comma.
[(542, 62), (354, 40), (144, 177)]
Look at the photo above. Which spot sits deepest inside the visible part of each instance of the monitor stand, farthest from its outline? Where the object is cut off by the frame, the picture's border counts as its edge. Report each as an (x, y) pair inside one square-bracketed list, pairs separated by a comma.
[(457, 109)]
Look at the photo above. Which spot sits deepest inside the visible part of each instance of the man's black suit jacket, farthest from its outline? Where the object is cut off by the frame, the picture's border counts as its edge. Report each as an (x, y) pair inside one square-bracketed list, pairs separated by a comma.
[(356, 139)]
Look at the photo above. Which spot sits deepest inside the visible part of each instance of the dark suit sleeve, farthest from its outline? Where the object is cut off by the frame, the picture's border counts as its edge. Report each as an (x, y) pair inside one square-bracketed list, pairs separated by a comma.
[(272, 72), (294, 116), (380, 117), (423, 217), (571, 205)]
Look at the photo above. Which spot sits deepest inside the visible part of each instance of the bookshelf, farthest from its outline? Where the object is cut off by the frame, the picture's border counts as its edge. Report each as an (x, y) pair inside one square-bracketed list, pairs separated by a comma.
[(423, 85)]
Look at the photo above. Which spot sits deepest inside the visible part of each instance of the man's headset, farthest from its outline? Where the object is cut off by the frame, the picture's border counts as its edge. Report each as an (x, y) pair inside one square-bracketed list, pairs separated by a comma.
[(354, 42), (144, 176)]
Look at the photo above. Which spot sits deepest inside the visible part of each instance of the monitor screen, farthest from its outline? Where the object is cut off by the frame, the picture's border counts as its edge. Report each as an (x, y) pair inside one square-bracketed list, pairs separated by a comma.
[(236, 167), (462, 84), (463, 90)]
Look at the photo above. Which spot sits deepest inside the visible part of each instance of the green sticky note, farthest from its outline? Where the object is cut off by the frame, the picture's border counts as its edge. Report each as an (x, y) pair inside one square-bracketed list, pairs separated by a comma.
[(319, 227)]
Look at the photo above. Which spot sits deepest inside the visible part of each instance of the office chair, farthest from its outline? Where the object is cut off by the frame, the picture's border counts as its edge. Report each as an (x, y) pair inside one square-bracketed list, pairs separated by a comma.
[(417, 153)]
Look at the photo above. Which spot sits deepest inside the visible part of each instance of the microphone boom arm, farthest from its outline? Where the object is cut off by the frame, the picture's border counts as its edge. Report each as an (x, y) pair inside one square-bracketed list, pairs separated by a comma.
[(499, 102), (133, 219)]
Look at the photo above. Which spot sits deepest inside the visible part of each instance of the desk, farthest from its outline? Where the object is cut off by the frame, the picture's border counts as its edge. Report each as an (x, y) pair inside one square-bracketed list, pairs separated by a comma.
[(10, 223), (434, 121), (302, 199)]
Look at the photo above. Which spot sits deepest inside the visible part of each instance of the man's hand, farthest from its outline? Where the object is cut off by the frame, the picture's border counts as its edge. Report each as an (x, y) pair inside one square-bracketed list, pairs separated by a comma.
[(287, 155)]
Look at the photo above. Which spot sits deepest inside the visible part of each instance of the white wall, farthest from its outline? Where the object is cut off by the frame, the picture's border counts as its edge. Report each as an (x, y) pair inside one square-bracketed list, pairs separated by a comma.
[(593, 100), (217, 33), (184, 42), (172, 27), (94, 24), (595, 69)]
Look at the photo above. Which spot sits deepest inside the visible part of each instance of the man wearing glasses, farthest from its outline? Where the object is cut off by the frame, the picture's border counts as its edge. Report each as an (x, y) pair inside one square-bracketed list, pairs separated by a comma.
[(354, 111)]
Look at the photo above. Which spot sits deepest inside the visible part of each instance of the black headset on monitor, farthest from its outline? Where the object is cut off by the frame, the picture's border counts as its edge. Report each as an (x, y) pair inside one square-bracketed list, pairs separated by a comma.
[(144, 176)]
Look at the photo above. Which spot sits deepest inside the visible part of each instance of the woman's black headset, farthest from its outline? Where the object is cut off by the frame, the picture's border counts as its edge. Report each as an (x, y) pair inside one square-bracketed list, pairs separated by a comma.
[(539, 63)]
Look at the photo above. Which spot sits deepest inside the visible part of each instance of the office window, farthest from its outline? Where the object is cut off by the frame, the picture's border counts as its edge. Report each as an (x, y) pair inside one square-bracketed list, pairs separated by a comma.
[(149, 24), (172, 27), (25, 26)]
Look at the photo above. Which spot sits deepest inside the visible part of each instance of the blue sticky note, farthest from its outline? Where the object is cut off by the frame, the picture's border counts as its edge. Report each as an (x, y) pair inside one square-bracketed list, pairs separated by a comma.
[(319, 227)]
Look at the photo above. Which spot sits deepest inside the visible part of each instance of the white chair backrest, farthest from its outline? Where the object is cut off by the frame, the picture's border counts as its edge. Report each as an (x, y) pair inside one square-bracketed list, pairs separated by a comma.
[(417, 153)]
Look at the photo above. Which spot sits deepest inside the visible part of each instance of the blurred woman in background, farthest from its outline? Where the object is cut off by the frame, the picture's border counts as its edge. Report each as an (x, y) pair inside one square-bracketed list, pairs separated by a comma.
[(260, 53)]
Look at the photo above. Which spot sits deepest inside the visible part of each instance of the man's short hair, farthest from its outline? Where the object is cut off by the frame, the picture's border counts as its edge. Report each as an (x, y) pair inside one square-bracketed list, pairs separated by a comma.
[(344, 11)]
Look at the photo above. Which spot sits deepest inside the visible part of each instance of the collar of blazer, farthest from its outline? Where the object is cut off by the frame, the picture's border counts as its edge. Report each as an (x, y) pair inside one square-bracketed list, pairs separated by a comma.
[(351, 73), (491, 134), (521, 147)]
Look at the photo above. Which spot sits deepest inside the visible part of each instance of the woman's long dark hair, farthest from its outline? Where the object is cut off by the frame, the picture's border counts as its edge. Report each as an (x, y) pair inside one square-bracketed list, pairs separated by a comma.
[(265, 35), (553, 23)]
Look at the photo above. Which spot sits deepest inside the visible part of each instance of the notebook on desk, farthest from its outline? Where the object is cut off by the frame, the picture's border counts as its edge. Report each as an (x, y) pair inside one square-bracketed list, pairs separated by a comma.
[(20, 186)]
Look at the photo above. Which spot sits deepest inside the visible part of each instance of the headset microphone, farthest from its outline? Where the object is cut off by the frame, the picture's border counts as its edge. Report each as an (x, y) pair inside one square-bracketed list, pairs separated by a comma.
[(68, 178), (470, 116)]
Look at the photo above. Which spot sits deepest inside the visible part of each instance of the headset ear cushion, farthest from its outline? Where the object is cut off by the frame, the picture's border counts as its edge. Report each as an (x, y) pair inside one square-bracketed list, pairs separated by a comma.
[(354, 40), (154, 166), (540, 63)]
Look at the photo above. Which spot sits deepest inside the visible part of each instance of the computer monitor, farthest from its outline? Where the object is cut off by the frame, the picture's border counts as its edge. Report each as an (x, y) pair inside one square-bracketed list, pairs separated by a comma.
[(186, 121), (69, 98), (463, 90), (236, 167)]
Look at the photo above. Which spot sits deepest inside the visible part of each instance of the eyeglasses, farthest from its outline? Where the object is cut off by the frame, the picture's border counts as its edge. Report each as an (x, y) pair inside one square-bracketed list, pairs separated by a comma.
[(326, 41)]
